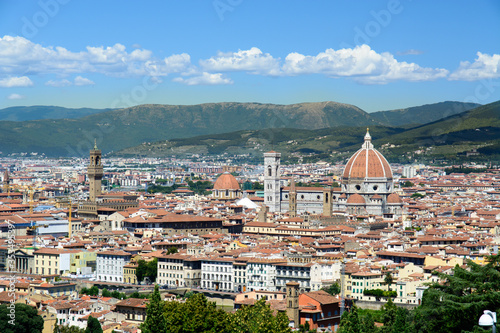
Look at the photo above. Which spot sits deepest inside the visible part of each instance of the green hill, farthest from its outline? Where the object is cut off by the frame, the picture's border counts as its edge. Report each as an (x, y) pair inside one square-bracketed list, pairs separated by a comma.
[(422, 114), (23, 113), (123, 128), (292, 143), (475, 129), (276, 125)]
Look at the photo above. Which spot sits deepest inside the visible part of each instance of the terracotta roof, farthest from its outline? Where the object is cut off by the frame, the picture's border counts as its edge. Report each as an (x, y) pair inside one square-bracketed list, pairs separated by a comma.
[(322, 297), (393, 198), (226, 181), (367, 162), (133, 302), (356, 199)]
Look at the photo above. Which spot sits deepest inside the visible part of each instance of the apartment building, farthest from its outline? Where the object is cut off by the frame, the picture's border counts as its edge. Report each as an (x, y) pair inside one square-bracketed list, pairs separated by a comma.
[(110, 265)]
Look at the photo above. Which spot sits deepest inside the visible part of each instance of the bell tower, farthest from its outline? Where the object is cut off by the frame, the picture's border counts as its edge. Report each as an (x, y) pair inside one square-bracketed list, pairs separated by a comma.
[(292, 199), (272, 189), (94, 173), (292, 302)]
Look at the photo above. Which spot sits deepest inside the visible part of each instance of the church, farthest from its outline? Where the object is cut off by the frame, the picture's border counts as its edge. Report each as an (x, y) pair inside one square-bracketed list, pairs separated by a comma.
[(366, 188)]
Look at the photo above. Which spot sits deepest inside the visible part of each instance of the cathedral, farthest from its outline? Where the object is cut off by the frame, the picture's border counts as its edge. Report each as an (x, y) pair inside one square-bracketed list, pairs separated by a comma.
[(366, 188)]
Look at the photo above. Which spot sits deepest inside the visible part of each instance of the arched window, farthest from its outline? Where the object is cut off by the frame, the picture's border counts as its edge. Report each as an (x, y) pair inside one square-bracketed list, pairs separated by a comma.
[(269, 171)]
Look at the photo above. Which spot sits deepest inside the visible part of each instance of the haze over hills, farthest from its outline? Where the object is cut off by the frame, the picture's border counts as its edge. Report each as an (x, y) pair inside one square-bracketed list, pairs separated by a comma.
[(119, 129), (23, 113)]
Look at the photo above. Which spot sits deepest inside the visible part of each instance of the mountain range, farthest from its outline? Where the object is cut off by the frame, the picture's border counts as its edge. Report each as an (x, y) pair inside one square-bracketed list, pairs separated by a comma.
[(119, 129), (476, 129)]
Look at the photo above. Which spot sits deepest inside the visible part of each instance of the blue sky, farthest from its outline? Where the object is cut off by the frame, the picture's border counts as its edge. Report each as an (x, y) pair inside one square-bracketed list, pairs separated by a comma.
[(377, 55)]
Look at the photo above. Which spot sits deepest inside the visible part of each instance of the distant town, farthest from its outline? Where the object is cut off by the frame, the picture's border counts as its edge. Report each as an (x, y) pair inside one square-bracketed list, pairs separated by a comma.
[(91, 237)]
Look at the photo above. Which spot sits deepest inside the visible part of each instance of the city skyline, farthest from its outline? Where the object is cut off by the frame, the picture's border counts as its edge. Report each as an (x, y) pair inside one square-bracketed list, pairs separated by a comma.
[(376, 55)]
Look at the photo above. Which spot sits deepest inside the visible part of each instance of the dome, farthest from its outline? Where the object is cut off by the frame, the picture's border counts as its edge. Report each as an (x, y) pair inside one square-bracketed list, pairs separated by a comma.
[(367, 163), (393, 198), (226, 181), (356, 199)]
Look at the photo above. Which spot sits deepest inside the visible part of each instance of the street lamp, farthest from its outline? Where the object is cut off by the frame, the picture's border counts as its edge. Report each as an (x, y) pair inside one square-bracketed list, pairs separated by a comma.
[(488, 319)]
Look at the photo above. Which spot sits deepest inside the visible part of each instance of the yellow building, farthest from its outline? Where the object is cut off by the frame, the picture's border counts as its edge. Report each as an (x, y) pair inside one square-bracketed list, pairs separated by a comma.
[(129, 271), (82, 262), (52, 261), (439, 261)]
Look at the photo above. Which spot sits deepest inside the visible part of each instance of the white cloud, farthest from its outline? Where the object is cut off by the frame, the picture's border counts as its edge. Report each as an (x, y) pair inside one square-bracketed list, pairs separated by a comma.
[(14, 81), (204, 79), (16, 96), (58, 83), (361, 64), (82, 81), (485, 66), (21, 56), (253, 61)]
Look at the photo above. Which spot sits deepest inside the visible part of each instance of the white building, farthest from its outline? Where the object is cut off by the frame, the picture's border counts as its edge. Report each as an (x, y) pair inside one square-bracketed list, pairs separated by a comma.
[(109, 266), (324, 273), (261, 274), (217, 274)]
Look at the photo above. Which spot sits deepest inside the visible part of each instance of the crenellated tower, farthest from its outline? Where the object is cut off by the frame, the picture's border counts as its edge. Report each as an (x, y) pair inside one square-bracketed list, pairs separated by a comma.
[(95, 173)]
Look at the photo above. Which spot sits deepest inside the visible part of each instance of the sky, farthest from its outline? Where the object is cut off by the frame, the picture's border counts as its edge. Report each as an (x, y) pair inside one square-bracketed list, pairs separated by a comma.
[(377, 55)]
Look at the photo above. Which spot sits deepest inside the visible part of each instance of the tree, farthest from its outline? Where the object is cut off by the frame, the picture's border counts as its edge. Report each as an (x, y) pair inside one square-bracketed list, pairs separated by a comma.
[(93, 291), (258, 318), (349, 322), (457, 302), (147, 269), (306, 328), (155, 321), (368, 324), (141, 270), (172, 250), (93, 325), (68, 329), (19, 318), (333, 289), (105, 293), (388, 280), (407, 184), (401, 322), (388, 313), (257, 186), (197, 314)]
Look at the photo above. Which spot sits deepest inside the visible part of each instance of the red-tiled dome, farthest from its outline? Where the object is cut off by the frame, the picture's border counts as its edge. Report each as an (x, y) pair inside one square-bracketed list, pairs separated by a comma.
[(394, 199), (356, 199), (367, 163), (226, 181)]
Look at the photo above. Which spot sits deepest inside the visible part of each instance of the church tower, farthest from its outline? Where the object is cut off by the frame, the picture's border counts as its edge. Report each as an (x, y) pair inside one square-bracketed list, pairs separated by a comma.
[(292, 199), (94, 173), (327, 201), (292, 302), (6, 181), (272, 189)]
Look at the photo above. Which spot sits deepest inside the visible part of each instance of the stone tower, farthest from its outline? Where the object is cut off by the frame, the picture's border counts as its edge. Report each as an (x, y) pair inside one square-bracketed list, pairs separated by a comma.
[(272, 188), (292, 302), (327, 201), (94, 173), (6, 181), (292, 199)]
